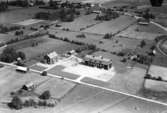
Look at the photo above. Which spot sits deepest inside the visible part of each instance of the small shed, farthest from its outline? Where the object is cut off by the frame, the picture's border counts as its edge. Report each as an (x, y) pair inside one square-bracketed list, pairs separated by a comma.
[(22, 69)]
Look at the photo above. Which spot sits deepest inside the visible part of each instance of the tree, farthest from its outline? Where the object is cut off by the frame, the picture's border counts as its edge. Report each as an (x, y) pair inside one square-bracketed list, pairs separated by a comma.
[(45, 95), (107, 36), (142, 44), (16, 103), (9, 54)]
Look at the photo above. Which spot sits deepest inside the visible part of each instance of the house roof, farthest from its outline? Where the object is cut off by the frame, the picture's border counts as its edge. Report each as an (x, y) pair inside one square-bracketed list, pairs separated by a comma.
[(52, 55), (98, 59)]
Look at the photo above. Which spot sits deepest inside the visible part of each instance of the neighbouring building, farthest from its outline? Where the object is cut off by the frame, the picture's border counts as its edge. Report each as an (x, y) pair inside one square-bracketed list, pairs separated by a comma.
[(51, 58), (98, 61), (30, 86)]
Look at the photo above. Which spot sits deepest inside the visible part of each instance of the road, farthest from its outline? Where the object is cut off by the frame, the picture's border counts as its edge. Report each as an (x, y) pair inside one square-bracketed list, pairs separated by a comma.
[(91, 85)]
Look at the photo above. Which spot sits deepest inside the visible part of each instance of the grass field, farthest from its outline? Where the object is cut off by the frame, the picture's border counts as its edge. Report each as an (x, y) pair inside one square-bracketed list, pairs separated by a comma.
[(45, 45), (112, 26), (80, 23), (57, 88), (81, 98), (142, 32), (116, 44), (84, 99), (19, 14), (58, 71), (90, 38), (6, 37), (10, 80)]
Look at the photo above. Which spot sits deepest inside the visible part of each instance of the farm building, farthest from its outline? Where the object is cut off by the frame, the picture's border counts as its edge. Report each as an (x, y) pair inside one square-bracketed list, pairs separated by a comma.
[(51, 58), (98, 61), (30, 86), (22, 69)]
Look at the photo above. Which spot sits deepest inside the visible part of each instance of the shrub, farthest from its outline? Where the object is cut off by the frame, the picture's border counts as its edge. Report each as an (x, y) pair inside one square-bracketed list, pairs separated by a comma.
[(142, 43), (45, 95)]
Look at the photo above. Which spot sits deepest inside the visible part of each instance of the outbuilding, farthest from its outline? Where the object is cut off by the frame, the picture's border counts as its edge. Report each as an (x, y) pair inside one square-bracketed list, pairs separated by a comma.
[(22, 69)]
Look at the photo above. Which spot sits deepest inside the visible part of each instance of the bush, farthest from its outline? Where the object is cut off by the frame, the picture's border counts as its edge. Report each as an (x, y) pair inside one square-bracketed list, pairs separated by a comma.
[(21, 55), (45, 95), (9, 55), (159, 78), (148, 76), (107, 36), (142, 43), (121, 54)]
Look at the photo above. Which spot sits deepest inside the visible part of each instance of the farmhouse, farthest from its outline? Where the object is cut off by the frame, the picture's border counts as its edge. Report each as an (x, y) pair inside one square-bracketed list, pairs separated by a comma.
[(51, 58), (98, 61)]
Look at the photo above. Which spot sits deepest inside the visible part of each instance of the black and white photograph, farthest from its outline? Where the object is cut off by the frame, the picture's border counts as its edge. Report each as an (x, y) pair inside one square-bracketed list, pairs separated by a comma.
[(83, 56)]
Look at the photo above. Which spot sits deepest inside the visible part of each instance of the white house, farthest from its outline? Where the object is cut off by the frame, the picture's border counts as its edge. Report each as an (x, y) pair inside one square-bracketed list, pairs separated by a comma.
[(51, 58)]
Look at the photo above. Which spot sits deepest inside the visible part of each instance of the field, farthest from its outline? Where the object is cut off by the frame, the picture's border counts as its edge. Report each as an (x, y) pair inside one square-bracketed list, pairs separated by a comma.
[(80, 23), (112, 26), (84, 99), (10, 80), (19, 14), (45, 45), (6, 37), (149, 32), (29, 22), (116, 44)]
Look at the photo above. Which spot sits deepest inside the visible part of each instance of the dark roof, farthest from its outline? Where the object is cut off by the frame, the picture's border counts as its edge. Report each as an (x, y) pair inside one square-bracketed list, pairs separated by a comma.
[(98, 59)]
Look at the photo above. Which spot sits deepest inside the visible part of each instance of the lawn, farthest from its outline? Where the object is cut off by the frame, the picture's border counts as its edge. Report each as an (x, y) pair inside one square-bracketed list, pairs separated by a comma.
[(38, 68), (45, 45), (19, 14), (58, 88), (90, 38), (149, 32), (82, 22), (58, 71), (112, 26), (6, 37), (116, 44)]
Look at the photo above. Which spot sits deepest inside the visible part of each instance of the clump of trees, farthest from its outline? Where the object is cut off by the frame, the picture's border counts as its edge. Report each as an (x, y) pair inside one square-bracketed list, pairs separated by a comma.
[(147, 15), (4, 29), (44, 100), (22, 3), (81, 36), (3, 6), (45, 95), (107, 15), (64, 14), (16, 103), (148, 76), (142, 43), (9, 55), (108, 36)]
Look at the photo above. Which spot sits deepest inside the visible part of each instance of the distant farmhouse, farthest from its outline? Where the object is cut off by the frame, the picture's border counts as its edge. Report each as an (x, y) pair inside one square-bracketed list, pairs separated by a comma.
[(98, 61), (51, 58)]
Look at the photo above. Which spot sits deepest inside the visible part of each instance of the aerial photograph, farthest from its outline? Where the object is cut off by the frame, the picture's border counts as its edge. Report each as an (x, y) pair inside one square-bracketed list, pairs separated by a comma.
[(83, 56)]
